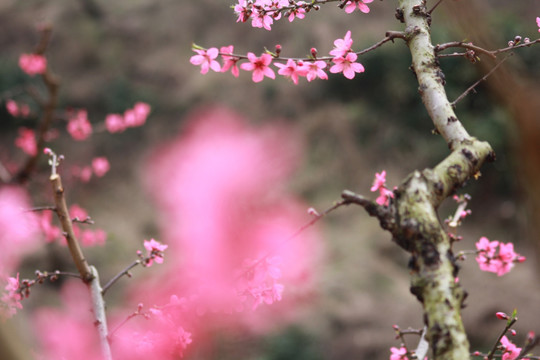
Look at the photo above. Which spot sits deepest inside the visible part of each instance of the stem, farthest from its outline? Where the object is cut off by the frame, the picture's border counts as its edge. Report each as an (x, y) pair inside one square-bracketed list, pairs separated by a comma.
[(99, 314), (119, 275), (67, 227)]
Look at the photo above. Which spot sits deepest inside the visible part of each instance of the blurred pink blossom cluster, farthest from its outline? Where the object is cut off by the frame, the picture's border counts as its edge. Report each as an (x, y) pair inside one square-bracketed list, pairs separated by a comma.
[(26, 141), (227, 218), (99, 167), (87, 236), (33, 64), (16, 109), (80, 128), (133, 117), (496, 257), (19, 235)]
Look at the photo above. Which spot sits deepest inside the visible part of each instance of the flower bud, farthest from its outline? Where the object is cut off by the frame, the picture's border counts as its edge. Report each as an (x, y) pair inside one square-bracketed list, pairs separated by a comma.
[(501, 316)]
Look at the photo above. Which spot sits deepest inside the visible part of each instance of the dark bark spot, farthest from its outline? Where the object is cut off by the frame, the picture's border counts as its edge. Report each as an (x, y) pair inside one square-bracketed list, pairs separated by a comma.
[(469, 155), (451, 119), (399, 15), (491, 156), (417, 291), (439, 188), (429, 254)]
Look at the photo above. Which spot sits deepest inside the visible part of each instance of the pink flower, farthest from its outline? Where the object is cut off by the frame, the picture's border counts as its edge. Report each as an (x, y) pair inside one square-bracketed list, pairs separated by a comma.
[(78, 126), (261, 19), (510, 350), (85, 174), (538, 23), (33, 64), (342, 46), (93, 237), (12, 108), (315, 70), (19, 229), (206, 59), (487, 247), (379, 185), (101, 166), (242, 10), (229, 62), (347, 65), (297, 12), (115, 123), (380, 181), (155, 251), (50, 231), (292, 70), (27, 141), (398, 354), (259, 66), (11, 301), (77, 212), (490, 260), (136, 116), (361, 4)]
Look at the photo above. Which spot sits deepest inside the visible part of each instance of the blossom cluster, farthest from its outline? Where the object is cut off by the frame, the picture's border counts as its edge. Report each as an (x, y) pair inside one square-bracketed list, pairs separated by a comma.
[(496, 257), (262, 13), (33, 64), (259, 281), (99, 167), (87, 237), (343, 58), (379, 184), (80, 128), (17, 109)]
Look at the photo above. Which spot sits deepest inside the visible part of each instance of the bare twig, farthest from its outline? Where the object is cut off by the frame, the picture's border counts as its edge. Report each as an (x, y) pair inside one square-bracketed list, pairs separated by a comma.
[(483, 78), (124, 272), (435, 6)]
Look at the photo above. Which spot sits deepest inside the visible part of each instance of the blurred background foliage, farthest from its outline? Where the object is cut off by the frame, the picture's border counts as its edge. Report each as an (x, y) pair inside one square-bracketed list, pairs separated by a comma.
[(111, 54)]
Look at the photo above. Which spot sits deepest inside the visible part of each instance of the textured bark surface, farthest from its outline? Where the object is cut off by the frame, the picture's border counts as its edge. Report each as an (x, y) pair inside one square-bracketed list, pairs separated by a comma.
[(415, 223)]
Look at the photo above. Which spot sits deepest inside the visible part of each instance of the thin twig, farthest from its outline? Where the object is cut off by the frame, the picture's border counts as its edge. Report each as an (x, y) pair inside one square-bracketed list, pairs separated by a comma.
[(496, 345), (119, 275), (42, 208), (435, 6), (67, 227), (471, 88)]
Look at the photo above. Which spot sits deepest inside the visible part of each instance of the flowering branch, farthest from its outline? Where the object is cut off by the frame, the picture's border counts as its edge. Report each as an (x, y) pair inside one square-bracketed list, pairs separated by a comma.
[(52, 83), (515, 44)]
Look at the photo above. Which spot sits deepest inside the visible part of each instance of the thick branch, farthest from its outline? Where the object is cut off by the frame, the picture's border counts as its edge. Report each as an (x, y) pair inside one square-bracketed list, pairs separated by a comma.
[(99, 314), (429, 74)]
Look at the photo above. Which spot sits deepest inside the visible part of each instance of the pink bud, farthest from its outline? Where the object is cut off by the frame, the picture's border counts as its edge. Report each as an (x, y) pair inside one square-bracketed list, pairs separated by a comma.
[(501, 316), (476, 353), (513, 332), (521, 259), (47, 151)]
